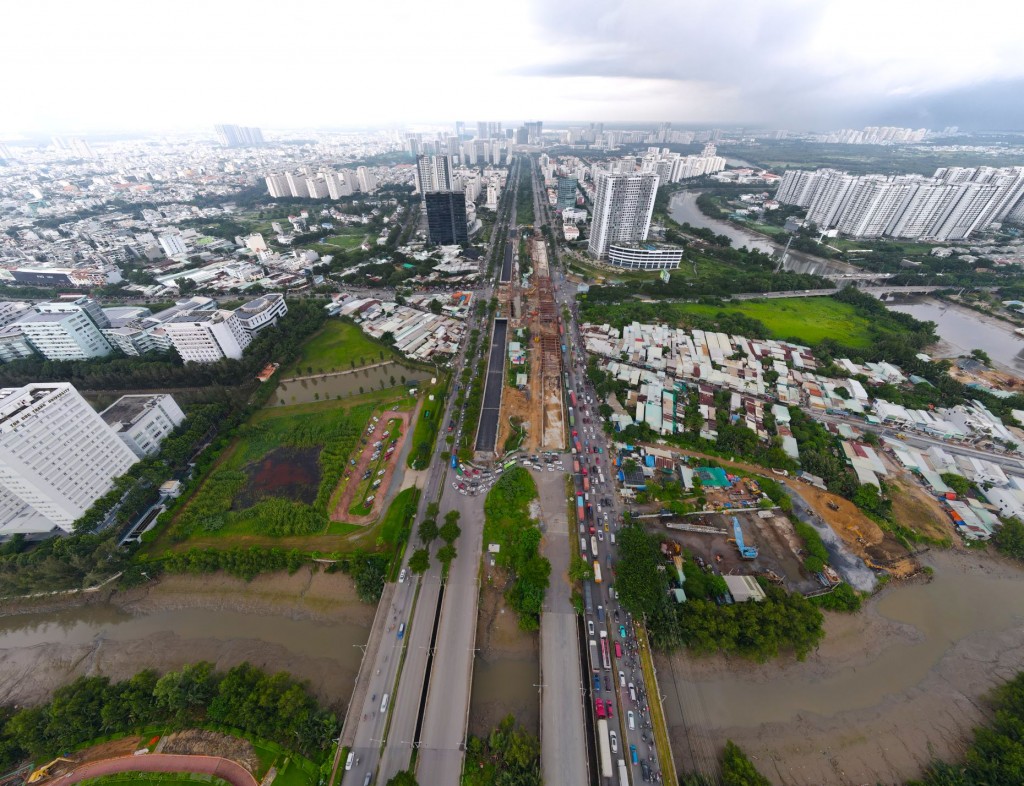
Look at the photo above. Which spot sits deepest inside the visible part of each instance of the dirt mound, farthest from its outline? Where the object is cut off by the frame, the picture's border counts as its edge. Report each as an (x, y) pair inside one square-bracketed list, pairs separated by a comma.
[(211, 743)]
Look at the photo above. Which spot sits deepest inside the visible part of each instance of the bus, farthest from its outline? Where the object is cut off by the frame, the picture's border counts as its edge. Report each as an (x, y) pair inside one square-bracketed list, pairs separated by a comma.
[(455, 461), (606, 659), (606, 754), (509, 464), (597, 572)]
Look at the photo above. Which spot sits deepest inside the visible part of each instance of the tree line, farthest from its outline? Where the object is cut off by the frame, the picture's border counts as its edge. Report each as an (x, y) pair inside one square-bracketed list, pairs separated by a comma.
[(783, 622), (507, 522), (276, 707)]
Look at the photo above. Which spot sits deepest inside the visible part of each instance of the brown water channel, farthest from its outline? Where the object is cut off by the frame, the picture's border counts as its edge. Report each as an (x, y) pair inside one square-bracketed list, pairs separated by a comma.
[(102, 638), (954, 606), (346, 383)]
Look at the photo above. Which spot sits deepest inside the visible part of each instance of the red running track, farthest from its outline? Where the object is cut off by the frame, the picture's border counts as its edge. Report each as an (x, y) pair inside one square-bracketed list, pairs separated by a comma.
[(232, 772)]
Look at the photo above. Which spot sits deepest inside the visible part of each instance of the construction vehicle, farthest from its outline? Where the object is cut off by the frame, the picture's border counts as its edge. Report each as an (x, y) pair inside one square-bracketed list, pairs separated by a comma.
[(44, 771), (746, 552), (832, 505)]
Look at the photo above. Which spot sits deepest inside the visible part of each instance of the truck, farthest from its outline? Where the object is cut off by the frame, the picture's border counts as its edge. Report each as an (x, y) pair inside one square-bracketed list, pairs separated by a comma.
[(572, 418), (606, 754), (606, 658), (597, 572), (623, 773), (576, 466), (586, 483), (455, 461), (579, 507), (572, 398)]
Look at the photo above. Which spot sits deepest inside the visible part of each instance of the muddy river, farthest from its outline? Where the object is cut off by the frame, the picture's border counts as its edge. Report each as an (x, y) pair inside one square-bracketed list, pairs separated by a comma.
[(40, 651), (907, 673)]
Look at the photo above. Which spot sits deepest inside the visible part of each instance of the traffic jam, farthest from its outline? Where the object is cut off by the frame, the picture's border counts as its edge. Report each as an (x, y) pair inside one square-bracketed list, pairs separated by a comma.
[(617, 687)]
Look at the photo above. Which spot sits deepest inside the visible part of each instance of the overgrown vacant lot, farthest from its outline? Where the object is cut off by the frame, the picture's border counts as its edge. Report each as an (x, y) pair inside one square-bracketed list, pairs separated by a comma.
[(277, 479), (339, 346), (807, 319)]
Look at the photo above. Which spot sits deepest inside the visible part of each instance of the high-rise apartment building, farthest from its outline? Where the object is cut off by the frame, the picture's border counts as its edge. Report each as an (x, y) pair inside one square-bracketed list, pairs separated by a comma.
[(366, 179), (446, 217), (623, 206), (433, 173), (316, 188), (239, 136), (57, 457), (207, 336), (297, 185), (277, 186), (952, 205), (336, 186)]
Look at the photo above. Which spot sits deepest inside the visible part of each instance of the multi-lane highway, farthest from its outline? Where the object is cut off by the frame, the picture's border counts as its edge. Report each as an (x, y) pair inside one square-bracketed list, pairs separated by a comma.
[(423, 623), (621, 684)]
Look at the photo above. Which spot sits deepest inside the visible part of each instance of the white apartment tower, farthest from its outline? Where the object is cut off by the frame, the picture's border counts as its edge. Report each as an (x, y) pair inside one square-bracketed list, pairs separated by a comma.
[(366, 179), (57, 457), (316, 188), (207, 336), (433, 173), (336, 187), (277, 186), (297, 185), (623, 206), (951, 205)]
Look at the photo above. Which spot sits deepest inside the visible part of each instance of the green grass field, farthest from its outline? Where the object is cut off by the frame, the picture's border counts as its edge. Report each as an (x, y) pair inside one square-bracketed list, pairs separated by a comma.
[(338, 346), (807, 320), (428, 423), (344, 242)]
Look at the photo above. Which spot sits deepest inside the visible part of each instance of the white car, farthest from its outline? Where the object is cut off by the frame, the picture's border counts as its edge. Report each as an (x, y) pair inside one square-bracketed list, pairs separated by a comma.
[(622, 679), (590, 627), (614, 740), (631, 720), (401, 577)]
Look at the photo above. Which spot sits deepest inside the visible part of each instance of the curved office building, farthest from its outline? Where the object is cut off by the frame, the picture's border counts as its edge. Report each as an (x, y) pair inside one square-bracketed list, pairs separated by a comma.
[(644, 256)]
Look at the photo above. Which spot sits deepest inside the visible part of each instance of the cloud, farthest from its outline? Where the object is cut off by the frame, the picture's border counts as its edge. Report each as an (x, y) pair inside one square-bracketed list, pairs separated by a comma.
[(104, 64), (787, 62)]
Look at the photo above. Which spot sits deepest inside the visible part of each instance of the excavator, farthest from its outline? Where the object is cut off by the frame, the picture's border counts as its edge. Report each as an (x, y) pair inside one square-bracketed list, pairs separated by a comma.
[(44, 771)]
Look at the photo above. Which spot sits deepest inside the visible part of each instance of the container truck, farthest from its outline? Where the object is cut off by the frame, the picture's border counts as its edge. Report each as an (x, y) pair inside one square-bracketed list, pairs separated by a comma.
[(606, 754)]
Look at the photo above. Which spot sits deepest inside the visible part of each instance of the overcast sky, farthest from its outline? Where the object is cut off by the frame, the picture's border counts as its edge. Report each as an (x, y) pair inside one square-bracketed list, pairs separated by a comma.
[(112, 65)]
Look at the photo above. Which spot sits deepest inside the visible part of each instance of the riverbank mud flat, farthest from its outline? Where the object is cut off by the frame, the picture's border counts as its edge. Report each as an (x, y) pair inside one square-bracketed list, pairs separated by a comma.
[(306, 624), (888, 691)]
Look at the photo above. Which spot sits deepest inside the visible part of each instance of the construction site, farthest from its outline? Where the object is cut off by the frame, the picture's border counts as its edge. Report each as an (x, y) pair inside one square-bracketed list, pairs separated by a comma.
[(538, 404), (743, 543)]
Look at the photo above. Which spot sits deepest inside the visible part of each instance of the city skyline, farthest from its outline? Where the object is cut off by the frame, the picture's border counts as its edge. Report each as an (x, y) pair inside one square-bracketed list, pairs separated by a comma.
[(783, 66)]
